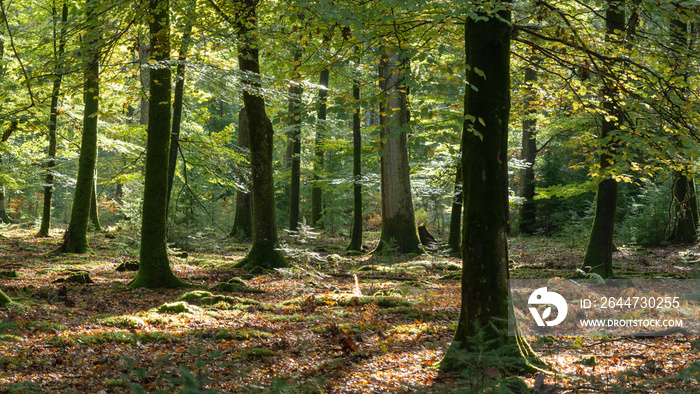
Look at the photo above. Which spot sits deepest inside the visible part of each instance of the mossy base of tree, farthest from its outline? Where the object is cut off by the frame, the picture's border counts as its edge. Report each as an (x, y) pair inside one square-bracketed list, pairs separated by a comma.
[(5, 301), (515, 357), (262, 255), (166, 281)]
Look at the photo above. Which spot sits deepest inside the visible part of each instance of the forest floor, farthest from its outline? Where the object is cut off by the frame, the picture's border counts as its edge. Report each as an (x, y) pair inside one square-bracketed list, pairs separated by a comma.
[(309, 328)]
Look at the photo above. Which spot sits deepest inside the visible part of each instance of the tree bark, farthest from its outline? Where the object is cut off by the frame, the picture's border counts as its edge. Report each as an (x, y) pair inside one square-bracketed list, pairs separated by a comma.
[(454, 239), (483, 321), (75, 239), (295, 107), (316, 188), (45, 226), (398, 220), (263, 253), (94, 211), (528, 211), (243, 221), (154, 268), (356, 233), (598, 258)]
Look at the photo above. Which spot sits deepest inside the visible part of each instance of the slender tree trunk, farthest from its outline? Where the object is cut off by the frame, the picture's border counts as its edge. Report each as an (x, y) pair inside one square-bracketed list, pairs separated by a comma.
[(177, 105), (94, 211), (398, 220), (75, 238), (143, 59), (528, 212), (53, 123), (243, 221), (294, 150), (263, 252), (154, 267), (316, 189), (483, 321), (598, 258), (356, 233), (454, 240)]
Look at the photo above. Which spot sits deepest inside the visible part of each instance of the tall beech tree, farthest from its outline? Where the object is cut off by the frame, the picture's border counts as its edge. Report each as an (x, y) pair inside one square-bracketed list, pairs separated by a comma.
[(528, 153), (485, 307), (296, 91), (398, 219), (454, 239), (598, 258), (264, 251), (319, 152), (75, 238), (242, 228), (154, 268), (59, 48), (356, 232)]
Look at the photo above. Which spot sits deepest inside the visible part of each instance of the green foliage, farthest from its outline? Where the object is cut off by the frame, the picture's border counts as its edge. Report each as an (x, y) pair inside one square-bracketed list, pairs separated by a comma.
[(648, 218)]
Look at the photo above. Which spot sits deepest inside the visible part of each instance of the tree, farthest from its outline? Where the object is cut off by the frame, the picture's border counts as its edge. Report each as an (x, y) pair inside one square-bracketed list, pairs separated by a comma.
[(53, 120), (528, 153), (316, 188), (598, 258), (356, 232), (243, 222), (398, 220), (263, 252), (485, 307), (296, 90), (75, 238), (154, 268), (454, 241)]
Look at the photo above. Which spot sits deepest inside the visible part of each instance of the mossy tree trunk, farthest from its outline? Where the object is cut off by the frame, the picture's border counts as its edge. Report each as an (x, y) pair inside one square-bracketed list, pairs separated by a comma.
[(598, 258), (398, 220), (94, 211), (454, 239), (243, 221), (483, 321), (263, 252), (296, 92), (45, 226), (180, 71), (528, 153), (75, 239), (154, 268), (319, 153), (356, 233)]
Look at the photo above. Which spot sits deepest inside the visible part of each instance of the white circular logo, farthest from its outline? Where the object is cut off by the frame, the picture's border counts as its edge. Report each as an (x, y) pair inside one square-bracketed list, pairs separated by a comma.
[(543, 297)]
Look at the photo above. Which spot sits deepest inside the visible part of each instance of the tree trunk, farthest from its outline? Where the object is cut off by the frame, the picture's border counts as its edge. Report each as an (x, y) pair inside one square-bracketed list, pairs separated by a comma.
[(356, 233), (154, 267), (454, 239), (398, 220), (94, 212), (598, 258), (316, 189), (144, 70), (263, 253), (75, 239), (483, 321), (45, 227), (177, 105), (243, 222), (295, 107), (528, 212)]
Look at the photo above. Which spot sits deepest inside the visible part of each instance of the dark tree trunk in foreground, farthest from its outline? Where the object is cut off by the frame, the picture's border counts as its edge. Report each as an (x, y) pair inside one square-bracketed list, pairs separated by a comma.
[(75, 239), (528, 212), (53, 123), (485, 310), (598, 257), (154, 267), (177, 105), (685, 201), (356, 233), (316, 188), (263, 253), (398, 220), (454, 239), (295, 107), (243, 221)]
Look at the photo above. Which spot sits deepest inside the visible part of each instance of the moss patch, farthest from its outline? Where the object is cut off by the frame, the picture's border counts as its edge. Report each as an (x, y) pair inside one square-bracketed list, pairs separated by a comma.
[(176, 308)]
